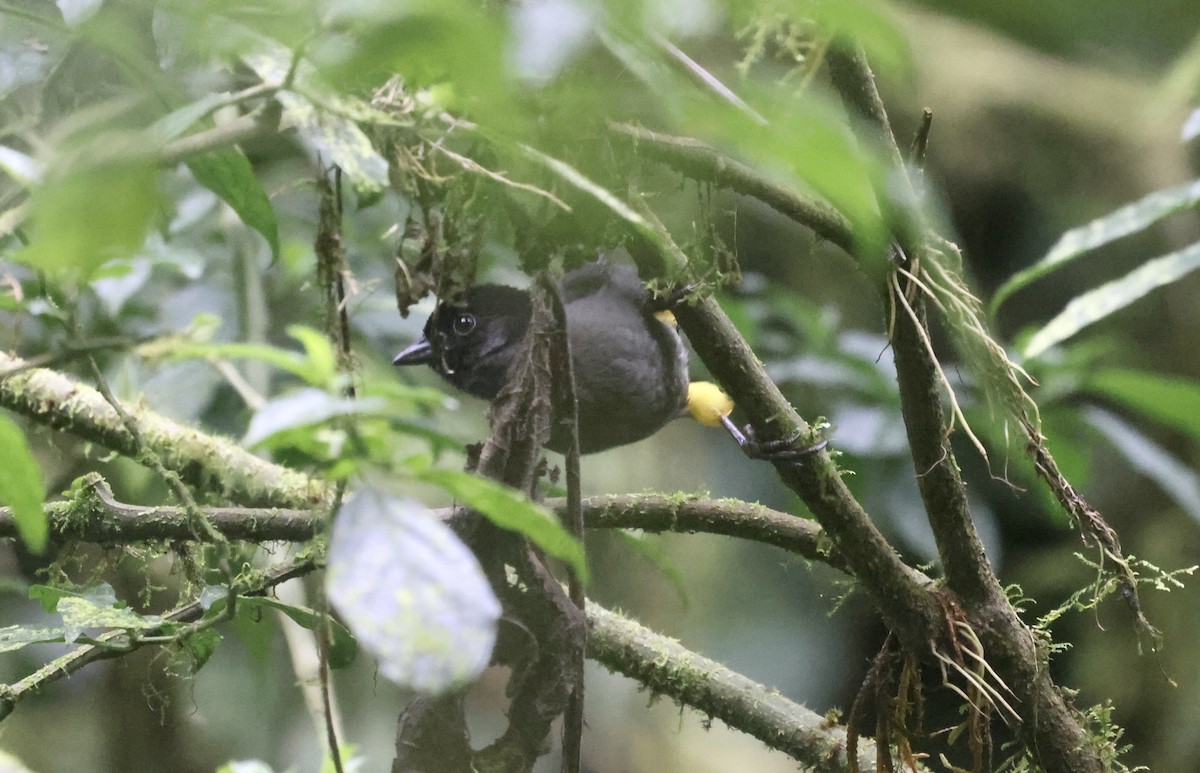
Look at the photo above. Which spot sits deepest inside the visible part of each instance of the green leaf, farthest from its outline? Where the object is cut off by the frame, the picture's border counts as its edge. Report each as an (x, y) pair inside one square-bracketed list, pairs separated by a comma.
[(803, 144), (21, 486), (453, 47), (48, 596), (81, 218), (23, 169), (303, 408), (333, 137), (412, 592), (228, 174), (1149, 458), (1125, 221), (175, 123), (200, 646), (174, 349), (79, 613), (316, 366), (1171, 400), (342, 646), (321, 360), (246, 766), (1099, 303), (32, 42), (510, 510), (14, 637)]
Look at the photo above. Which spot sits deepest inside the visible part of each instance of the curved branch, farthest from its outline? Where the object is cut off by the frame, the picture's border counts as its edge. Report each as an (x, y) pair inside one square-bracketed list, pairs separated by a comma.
[(727, 517), (666, 667), (699, 161)]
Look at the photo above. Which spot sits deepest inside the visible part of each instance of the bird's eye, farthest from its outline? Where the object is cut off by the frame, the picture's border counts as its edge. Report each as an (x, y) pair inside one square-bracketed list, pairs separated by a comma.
[(464, 323)]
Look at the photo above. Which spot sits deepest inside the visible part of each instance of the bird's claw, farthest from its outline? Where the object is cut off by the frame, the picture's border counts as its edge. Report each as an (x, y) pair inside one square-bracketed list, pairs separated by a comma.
[(783, 450)]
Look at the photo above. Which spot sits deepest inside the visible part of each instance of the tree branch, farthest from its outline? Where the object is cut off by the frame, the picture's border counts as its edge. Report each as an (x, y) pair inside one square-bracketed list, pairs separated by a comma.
[(1050, 729), (700, 161), (261, 123), (903, 600), (666, 667), (202, 460), (91, 514)]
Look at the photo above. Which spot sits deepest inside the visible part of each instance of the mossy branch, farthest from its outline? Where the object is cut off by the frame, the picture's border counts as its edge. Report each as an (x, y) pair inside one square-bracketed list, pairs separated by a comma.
[(667, 668), (90, 513), (904, 601), (209, 463)]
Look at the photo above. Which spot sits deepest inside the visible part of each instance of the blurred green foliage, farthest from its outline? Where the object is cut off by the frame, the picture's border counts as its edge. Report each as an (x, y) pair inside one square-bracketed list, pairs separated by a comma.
[(157, 167)]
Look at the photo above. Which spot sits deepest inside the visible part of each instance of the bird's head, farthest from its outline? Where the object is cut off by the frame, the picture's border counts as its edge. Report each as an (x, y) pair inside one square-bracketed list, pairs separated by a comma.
[(473, 341)]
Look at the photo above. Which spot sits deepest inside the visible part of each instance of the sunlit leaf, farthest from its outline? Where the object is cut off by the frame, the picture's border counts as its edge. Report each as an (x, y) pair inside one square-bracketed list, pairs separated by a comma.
[(79, 613), (1175, 477), (228, 174), (21, 486), (246, 766), (1171, 400), (303, 408), (14, 637), (1110, 297), (318, 350), (1191, 127), (1127, 220), (32, 42), (510, 510), (10, 763), (316, 366), (175, 349), (22, 168), (412, 593)]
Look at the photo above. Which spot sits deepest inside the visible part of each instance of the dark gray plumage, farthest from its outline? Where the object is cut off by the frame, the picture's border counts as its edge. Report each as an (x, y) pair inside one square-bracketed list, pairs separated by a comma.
[(631, 374)]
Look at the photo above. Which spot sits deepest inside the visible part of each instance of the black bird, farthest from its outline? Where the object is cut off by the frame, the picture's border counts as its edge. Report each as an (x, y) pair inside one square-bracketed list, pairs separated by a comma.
[(631, 367)]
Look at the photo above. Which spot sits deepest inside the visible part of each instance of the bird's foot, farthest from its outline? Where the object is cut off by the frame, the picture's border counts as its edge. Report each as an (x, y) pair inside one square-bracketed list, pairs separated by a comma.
[(783, 450)]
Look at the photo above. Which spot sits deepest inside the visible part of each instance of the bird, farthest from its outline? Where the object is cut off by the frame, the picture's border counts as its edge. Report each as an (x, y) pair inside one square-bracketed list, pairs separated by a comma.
[(629, 360)]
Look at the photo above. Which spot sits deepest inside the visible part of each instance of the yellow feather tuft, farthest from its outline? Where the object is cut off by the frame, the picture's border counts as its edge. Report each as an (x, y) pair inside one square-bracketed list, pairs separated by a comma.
[(707, 403), (666, 317)]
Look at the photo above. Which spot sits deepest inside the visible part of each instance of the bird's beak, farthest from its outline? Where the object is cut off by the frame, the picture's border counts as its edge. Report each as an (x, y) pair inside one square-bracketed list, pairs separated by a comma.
[(419, 353)]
